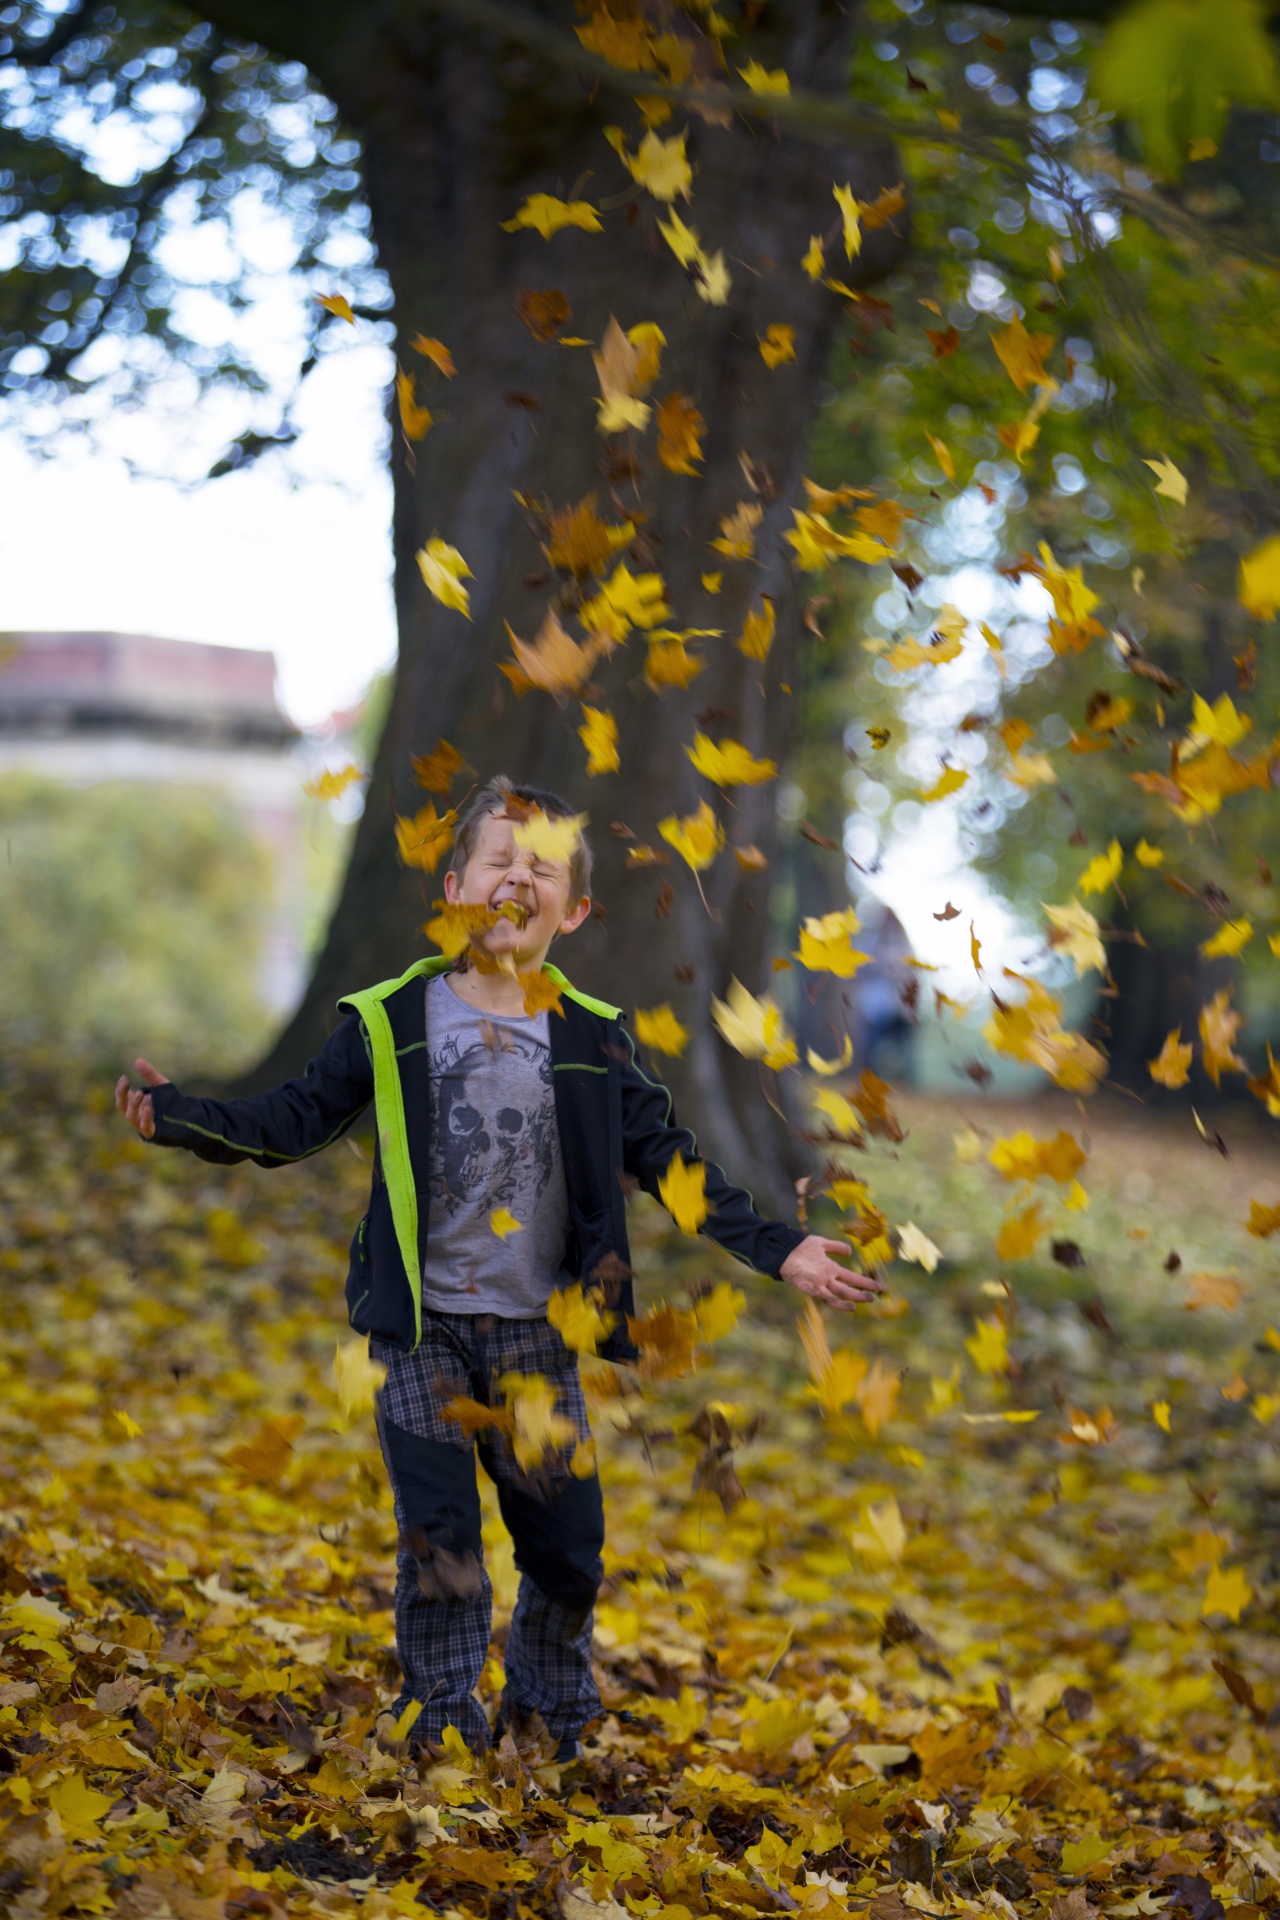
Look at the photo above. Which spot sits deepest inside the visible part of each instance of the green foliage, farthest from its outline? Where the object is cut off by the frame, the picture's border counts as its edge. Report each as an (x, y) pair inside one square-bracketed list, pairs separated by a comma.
[(129, 922), (1177, 67)]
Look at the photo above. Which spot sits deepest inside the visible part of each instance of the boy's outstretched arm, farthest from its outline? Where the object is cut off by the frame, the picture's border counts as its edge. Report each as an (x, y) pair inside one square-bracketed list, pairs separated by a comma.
[(274, 1128), (651, 1135)]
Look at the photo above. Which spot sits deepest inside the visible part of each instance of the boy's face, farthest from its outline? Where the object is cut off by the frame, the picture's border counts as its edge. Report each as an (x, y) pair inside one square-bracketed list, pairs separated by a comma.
[(500, 871)]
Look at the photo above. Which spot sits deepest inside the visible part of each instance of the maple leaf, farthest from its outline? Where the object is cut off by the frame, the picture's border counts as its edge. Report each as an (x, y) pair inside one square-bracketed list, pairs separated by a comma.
[(765, 80), (668, 1340), (80, 1807), (580, 541), (943, 340), (711, 277), (729, 764), (680, 431), (1267, 1086), (668, 663), (547, 837), (887, 1535), (757, 633), (626, 366), (683, 1191), (850, 224), (778, 344), (1148, 856), (456, 925), (1103, 870), (988, 1346), (696, 837), (1219, 1025), (1021, 1233), (541, 994), (1022, 1157), (436, 771), (1023, 354), (943, 455), (1160, 1414), (661, 167), (435, 351), (1228, 941), (754, 1027), (624, 601), (544, 311), (504, 1223), (357, 1379), (444, 569), (338, 305), (949, 781), (737, 536), (1033, 1032), (1172, 1065), (1226, 1591), (1073, 625), (578, 1319), (554, 660), (1075, 933), (546, 215), (659, 1029), (538, 1431), (415, 420), (917, 1247), (826, 944), (1169, 482), (717, 1312), (814, 261), (682, 1717), (1220, 723), (599, 735), (262, 1461), (1259, 587), (836, 1377), (129, 1426), (333, 782), (1215, 1290), (423, 838)]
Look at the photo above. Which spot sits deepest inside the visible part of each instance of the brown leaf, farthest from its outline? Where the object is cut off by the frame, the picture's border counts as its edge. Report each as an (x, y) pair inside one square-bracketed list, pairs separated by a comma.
[(544, 311)]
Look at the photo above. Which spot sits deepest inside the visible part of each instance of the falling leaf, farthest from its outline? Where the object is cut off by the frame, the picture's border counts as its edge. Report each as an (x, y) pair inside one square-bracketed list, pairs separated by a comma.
[(814, 261), (754, 1027), (849, 222), (338, 305), (444, 569), (436, 771), (1022, 1157), (949, 781), (1103, 870), (729, 764), (737, 536), (697, 837), (829, 1067), (1259, 588), (578, 1318), (1263, 1221), (660, 166), (778, 344), (916, 1246), (1148, 856), (547, 215), (599, 735), (712, 280), (415, 420), (625, 600), (765, 80), (757, 631), (942, 453), (544, 311), (541, 992), (132, 1431), (549, 837), (1215, 1290), (554, 660), (717, 1313), (1023, 354), (626, 365), (1169, 482), (435, 351), (659, 1029), (504, 1223), (424, 838), (826, 944), (538, 1431), (1172, 1065), (988, 1347), (1219, 1025), (333, 782), (680, 431), (1160, 1414), (1226, 1591), (357, 1379), (1021, 1233), (1076, 934), (1230, 938), (683, 1190)]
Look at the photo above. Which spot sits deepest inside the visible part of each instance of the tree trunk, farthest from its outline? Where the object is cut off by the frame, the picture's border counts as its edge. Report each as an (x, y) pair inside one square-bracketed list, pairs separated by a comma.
[(457, 130)]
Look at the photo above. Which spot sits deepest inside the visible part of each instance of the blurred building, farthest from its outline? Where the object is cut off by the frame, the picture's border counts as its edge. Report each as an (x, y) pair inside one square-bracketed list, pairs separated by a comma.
[(91, 707)]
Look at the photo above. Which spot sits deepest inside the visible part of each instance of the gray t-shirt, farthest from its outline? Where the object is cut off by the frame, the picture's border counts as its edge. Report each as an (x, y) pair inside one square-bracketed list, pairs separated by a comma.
[(494, 1145)]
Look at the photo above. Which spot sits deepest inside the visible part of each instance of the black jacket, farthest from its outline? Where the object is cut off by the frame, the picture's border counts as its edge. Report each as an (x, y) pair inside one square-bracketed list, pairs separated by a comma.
[(616, 1126)]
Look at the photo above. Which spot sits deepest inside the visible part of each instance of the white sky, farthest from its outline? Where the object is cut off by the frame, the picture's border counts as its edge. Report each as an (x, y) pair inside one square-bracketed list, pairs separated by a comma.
[(293, 558)]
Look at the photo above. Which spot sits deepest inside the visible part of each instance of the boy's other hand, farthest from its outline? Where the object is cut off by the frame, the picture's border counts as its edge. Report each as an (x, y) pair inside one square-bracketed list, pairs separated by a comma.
[(136, 1106), (814, 1271)]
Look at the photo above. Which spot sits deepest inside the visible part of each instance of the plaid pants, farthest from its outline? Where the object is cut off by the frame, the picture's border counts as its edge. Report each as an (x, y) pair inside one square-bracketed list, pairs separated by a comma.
[(444, 1600)]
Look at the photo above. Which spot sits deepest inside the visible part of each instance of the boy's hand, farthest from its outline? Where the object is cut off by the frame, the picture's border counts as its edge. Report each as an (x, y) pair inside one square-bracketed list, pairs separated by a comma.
[(812, 1269), (136, 1105)]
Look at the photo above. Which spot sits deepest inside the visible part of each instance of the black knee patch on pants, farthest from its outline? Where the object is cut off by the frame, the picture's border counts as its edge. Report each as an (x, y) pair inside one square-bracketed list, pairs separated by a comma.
[(558, 1537), (437, 1488)]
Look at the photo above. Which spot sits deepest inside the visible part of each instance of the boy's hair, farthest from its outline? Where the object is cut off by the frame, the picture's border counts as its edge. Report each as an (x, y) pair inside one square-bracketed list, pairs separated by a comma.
[(495, 797)]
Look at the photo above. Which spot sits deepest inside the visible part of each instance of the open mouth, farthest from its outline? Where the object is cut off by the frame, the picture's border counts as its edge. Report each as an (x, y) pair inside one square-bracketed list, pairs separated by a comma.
[(516, 912)]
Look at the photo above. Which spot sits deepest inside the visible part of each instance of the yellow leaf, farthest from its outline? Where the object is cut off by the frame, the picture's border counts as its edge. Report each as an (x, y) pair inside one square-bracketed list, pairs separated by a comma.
[(729, 764), (132, 1431), (599, 735), (660, 166), (887, 1538), (1079, 1855), (697, 837), (1226, 1591), (683, 1190), (877, 1395), (717, 1312), (658, 1028), (547, 215), (1223, 1290), (988, 1346), (712, 582), (1147, 855), (1022, 1157), (357, 1378), (1219, 1025), (504, 1223), (942, 454), (1265, 1408), (444, 569), (1259, 588), (1076, 933), (1160, 1414), (79, 1806), (849, 221), (668, 663), (423, 839), (414, 419), (916, 1246), (538, 1430), (777, 1726), (435, 351), (332, 784), (455, 926), (1075, 1199), (814, 261), (578, 1319), (950, 780), (680, 431), (554, 839), (1262, 1223), (826, 944), (754, 1028), (339, 305), (1171, 1066), (765, 80), (625, 600), (1103, 870), (1220, 723), (1228, 940), (1169, 482), (554, 660), (841, 1061), (737, 536), (1021, 1233), (1023, 354), (681, 1717), (711, 277), (778, 344), (757, 631)]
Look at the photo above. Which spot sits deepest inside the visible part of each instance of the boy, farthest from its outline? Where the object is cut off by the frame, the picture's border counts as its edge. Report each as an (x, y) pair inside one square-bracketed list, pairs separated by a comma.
[(489, 1114)]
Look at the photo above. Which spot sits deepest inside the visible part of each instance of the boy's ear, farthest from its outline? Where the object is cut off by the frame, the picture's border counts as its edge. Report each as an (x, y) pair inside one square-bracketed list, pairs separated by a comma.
[(575, 915), (451, 887)]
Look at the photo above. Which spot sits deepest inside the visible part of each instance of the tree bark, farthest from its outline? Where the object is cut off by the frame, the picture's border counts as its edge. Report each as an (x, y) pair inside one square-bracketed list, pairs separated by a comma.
[(457, 130)]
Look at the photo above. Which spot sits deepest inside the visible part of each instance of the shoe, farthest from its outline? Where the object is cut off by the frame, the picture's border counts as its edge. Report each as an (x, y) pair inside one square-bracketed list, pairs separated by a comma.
[(568, 1752)]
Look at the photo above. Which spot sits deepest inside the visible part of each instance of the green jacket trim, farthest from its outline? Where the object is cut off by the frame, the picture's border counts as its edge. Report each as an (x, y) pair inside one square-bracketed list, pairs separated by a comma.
[(388, 1096)]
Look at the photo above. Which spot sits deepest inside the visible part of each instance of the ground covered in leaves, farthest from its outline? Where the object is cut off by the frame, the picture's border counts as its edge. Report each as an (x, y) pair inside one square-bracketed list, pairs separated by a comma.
[(867, 1643)]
